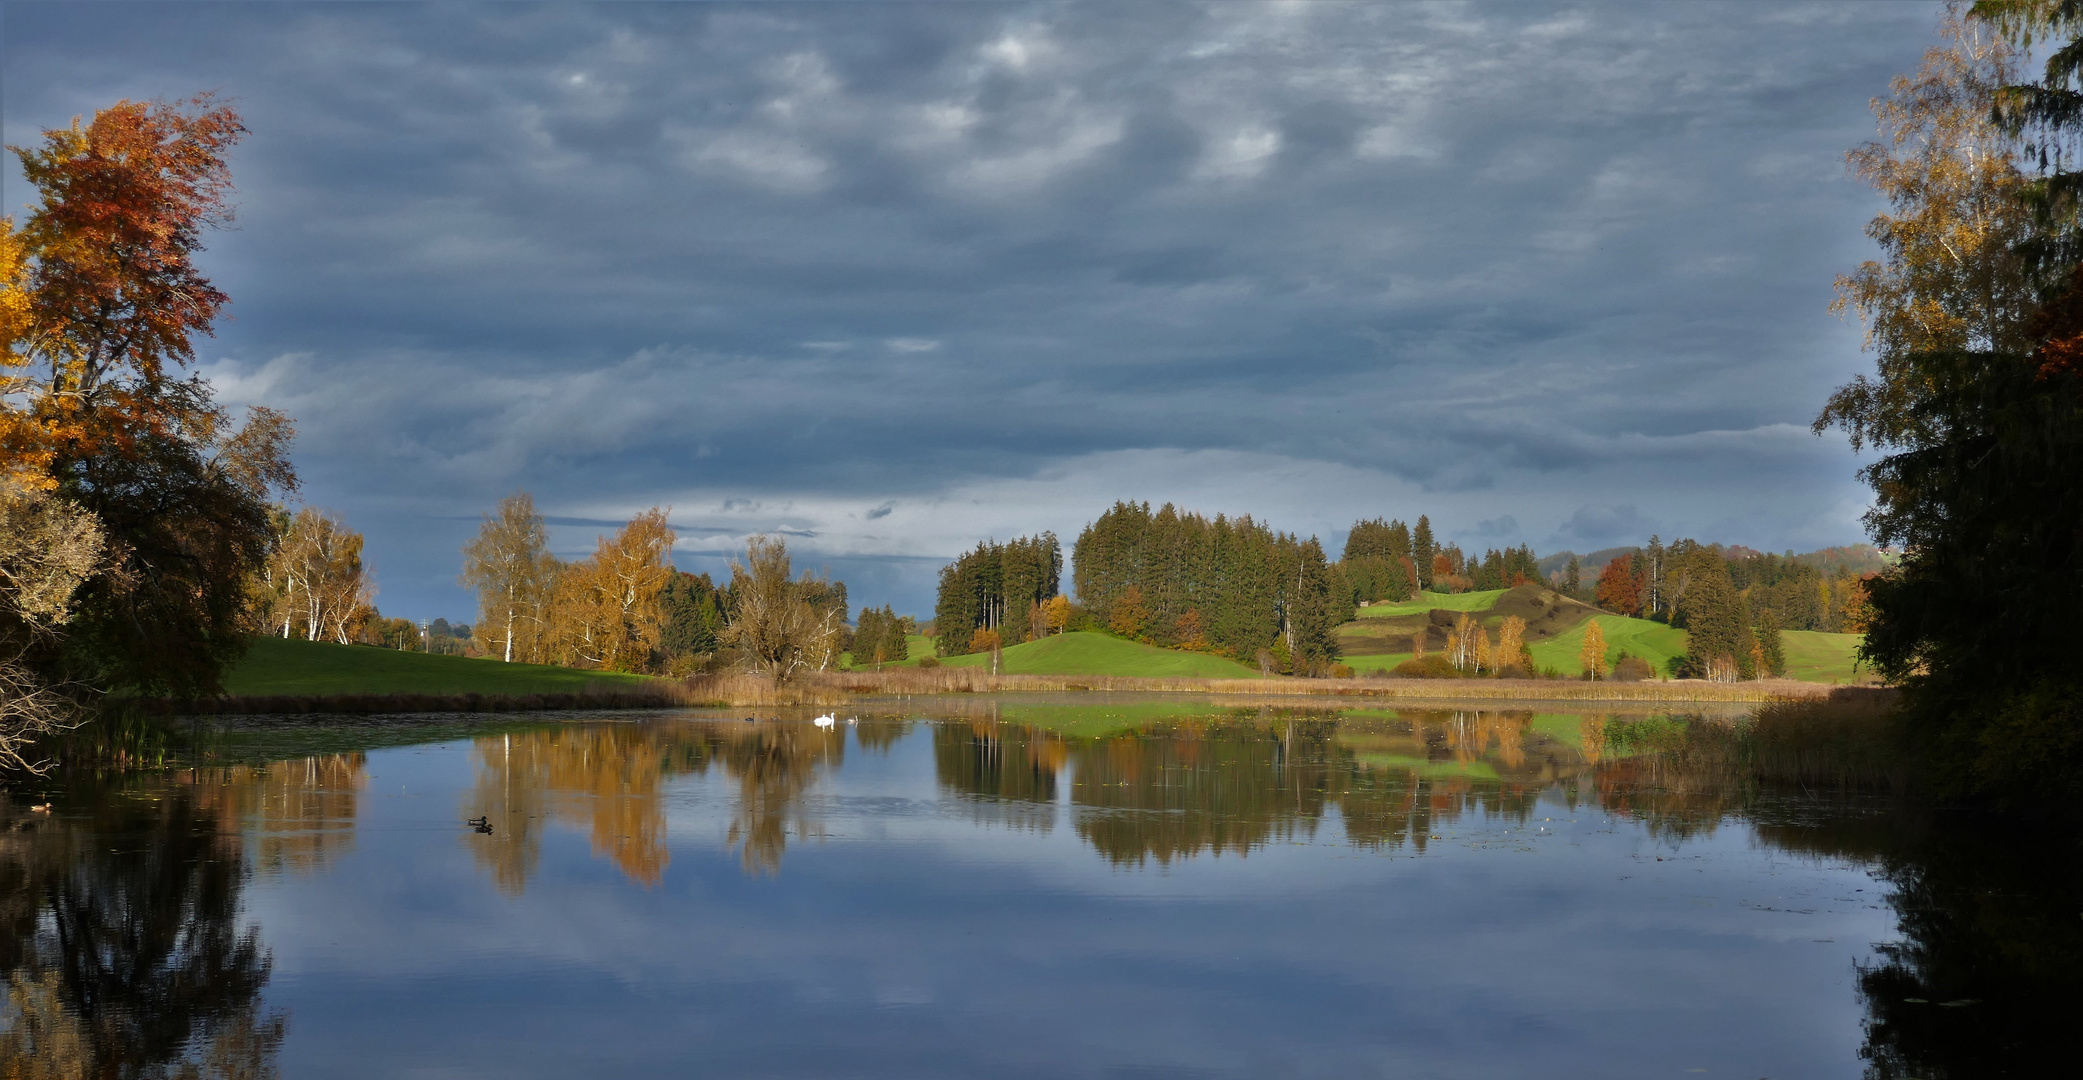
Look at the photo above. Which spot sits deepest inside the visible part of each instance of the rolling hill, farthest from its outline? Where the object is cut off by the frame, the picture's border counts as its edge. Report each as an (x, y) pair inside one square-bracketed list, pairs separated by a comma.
[(1086, 653)]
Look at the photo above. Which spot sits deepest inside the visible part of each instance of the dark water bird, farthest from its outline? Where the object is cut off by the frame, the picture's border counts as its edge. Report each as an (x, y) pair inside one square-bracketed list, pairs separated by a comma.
[(481, 824), (748, 720)]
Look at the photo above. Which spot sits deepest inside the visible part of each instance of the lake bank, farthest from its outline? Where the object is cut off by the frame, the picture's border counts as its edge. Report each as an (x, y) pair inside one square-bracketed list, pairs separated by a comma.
[(843, 688)]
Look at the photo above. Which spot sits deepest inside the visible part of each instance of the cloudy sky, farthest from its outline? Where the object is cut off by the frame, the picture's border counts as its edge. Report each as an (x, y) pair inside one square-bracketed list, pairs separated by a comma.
[(891, 278)]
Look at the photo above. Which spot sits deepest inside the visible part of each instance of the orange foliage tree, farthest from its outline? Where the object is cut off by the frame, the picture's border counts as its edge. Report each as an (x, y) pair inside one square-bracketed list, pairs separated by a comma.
[(1129, 615), (102, 305), (1620, 588)]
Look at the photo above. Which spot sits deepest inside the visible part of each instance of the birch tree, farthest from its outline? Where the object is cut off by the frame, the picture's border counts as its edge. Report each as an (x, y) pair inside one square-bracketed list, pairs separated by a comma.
[(510, 567)]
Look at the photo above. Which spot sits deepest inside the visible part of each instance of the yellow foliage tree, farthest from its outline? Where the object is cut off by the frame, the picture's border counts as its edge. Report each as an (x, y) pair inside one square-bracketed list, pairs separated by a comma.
[(1511, 645), (1056, 612), (608, 611), (1592, 657)]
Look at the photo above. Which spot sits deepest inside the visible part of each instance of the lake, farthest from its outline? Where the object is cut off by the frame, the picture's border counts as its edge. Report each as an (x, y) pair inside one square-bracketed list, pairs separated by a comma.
[(1047, 887)]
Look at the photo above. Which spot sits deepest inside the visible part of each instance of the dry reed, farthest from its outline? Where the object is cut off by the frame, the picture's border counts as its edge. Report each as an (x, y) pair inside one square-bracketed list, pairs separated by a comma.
[(838, 688), (1852, 739)]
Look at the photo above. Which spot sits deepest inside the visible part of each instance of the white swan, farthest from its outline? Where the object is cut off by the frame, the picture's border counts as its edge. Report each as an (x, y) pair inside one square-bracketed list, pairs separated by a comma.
[(826, 720), (853, 719)]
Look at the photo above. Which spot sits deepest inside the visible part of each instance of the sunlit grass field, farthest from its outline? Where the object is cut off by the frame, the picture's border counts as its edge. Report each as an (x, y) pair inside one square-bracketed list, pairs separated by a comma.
[(1085, 653), (1813, 656), (273, 666), (1652, 641), (1468, 601)]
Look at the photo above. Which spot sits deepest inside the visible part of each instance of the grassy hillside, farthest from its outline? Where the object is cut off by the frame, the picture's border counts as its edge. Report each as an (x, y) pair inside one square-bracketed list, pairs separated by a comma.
[(1096, 654), (1652, 641), (1426, 601), (1813, 656), (276, 667)]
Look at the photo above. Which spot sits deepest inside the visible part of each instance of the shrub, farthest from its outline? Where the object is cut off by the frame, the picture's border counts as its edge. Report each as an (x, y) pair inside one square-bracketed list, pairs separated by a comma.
[(1632, 669), (1341, 671), (929, 661), (1429, 667)]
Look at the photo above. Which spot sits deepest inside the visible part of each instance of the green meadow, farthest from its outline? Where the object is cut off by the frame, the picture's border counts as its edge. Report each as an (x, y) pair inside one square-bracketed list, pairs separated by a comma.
[(1813, 656), (276, 667), (1652, 641), (1087, 653), (1427, 601)]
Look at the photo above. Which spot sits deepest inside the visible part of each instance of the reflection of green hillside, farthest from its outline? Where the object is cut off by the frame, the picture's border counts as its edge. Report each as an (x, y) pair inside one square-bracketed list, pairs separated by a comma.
[(1481, 770)]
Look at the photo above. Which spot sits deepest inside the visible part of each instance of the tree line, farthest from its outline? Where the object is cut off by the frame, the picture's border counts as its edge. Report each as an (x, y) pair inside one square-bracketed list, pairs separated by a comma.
[(1388, 560), (1229, 586), (628, 608), (998, 594)]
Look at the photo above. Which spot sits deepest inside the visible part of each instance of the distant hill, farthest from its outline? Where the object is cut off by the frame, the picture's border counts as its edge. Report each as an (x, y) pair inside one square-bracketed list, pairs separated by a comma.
[(1858, 558), (1587, 564)]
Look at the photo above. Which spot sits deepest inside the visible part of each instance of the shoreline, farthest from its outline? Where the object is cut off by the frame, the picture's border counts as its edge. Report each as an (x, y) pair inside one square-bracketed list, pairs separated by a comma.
[(842, 688)]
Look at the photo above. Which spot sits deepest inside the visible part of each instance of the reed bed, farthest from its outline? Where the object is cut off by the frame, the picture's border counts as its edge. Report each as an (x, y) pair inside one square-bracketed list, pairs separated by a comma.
[(730, 689), (1850, 740)]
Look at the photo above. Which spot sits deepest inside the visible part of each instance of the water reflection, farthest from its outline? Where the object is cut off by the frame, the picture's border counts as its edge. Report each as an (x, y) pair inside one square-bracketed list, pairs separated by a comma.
[(121, 937), (1234, 781), (610, 779), (126, 951)]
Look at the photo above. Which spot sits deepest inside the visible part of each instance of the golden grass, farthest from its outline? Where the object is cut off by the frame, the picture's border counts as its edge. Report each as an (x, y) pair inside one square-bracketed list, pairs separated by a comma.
[(1851, 739), (840, 687)]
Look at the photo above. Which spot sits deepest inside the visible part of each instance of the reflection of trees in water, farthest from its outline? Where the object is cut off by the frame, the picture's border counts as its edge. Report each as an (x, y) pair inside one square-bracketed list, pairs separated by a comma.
[(296, 816), (1238, 780), (122, 944), (605, 778), (1005, 772), (1680, 776), (609, 780), (1989, 965)]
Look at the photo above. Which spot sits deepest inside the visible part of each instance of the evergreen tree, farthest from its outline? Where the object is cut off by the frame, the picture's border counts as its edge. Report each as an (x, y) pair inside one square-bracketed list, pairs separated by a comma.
[(1718, 637), (997, 587), (1422, 549), (693, 616), (1771, 645)]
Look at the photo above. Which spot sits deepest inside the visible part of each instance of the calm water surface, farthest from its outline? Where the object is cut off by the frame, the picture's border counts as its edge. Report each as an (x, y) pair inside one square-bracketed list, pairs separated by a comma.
[(1032, 888)]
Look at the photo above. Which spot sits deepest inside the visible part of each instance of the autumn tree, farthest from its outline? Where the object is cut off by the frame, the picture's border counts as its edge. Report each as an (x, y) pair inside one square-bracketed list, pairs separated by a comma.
[(101, 313), (48, 549), (1619, 589), (1056, 610), (774, 625), (1511, 645), (1592, 657), (509, 565), (320, 589), (607, 611), (1129, 616)]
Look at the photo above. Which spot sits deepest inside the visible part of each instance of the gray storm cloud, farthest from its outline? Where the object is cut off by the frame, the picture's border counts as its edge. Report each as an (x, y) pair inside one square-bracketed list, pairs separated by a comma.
[(895, 278)]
